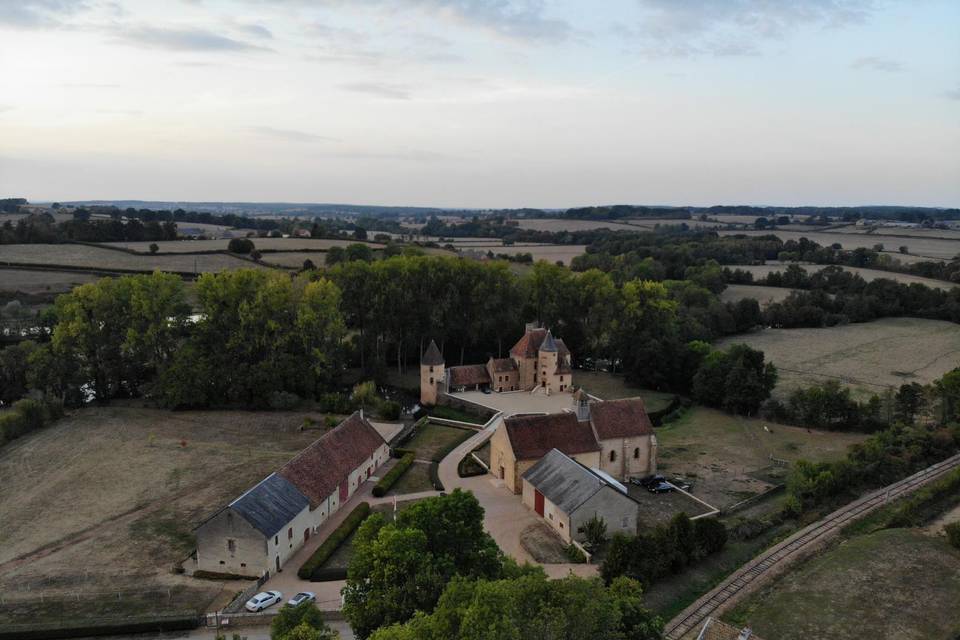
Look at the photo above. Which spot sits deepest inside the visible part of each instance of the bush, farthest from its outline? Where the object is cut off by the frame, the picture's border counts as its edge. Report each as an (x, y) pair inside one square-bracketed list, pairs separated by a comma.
[(435, 476), (953, 534), (390, 410), (284, 401), (330, 421), (574, 554), (240, 245), (387, 481), (25, 416), (333, 541)]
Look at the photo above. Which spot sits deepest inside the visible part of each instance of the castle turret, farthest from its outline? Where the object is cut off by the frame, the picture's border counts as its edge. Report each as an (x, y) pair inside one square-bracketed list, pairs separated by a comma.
[(431, 374), (548, 358)]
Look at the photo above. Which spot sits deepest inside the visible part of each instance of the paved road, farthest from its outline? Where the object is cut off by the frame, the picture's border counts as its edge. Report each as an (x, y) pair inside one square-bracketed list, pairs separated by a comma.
[(763, 567)]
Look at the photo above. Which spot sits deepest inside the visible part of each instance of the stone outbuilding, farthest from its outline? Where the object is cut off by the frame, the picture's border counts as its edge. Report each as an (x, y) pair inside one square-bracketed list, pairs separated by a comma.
[(567, 494), (259, 531)]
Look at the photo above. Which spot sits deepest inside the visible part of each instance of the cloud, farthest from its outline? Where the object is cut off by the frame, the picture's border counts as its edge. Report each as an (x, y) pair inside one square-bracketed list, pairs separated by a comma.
[(379, 89), (291, 135), (37, 14), (683, 28), (952, 94), (515, 19), (89, 85), (875, 63), (257, 30), (189, 39), (6, 107)]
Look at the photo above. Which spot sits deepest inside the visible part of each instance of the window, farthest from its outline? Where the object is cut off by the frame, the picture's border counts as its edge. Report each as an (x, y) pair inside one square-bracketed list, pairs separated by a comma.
[(613, 456), (561, 525), (231, 546), (290, 533), (222, 562), (636, 453), (243, 564), (561, 378), (550, 515), (431, 380), (276, 539), (624, 522), (431, 371)]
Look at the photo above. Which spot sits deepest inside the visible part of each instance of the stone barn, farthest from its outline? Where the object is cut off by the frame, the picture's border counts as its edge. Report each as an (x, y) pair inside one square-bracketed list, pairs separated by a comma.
[(259, 531)]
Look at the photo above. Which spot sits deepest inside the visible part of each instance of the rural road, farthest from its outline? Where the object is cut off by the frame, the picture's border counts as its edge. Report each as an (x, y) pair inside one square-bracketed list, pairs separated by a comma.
[(764, 566)]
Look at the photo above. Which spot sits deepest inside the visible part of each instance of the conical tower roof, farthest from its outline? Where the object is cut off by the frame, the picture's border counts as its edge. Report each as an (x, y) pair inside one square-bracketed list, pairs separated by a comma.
[(549, 344), (432, 355)]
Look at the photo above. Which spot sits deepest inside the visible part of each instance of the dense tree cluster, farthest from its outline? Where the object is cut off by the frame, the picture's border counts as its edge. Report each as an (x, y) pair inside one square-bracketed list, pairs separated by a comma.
[(736, 380), (42, 228), (663, 550)]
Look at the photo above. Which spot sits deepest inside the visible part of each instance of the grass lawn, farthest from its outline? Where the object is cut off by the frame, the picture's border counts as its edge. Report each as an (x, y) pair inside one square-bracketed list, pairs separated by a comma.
[(415, 479), (895, 583), (432, 441), (728, 457), (452, 413), (610, 386)]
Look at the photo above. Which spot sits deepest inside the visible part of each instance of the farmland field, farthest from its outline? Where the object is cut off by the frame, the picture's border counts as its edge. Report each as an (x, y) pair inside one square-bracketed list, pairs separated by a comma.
[(557, 224), (728, 457), (869, 357), (761, 271), (933, 248), (895, 583), (549, 252), (41, 282), (122, 489), (905, 234), (77, 255), (763, 295), (268, 244)]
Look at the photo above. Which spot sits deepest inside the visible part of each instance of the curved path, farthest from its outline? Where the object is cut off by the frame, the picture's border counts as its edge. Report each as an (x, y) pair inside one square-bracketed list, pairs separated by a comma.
[(761, 568)]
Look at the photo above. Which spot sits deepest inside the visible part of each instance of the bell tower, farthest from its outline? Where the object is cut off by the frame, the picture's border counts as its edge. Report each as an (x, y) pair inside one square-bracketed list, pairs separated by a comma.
[(431, 374)]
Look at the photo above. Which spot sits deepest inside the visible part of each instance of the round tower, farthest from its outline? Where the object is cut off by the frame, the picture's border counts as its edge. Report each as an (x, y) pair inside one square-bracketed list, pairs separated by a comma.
[(431, 374), (548, 360)]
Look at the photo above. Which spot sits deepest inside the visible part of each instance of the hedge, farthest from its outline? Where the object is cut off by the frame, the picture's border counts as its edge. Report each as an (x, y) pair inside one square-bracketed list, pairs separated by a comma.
[(25, 416), (201, 574), (435, 476), (387, 481), (333, 541), (105, 628)]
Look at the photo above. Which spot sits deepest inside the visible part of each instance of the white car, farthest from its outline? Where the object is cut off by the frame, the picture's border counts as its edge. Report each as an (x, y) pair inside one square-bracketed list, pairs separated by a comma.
[(303, 596), (263, 600)]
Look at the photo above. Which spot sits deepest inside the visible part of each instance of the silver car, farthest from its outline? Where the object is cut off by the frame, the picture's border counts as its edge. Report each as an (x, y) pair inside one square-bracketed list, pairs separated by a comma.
[(263, 600), (303, 596)]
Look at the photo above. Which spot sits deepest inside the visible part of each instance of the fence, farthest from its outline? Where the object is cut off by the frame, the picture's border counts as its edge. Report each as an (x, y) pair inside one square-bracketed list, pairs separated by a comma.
[(236, 605)]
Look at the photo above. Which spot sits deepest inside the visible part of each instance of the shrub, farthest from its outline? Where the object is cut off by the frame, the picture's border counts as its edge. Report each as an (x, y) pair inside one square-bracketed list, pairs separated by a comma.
[(953, 534), (25, 416), (330, 421), (595, 532), (387, 481), (333, 541), (435, 476), (390, 410), (574, 554)]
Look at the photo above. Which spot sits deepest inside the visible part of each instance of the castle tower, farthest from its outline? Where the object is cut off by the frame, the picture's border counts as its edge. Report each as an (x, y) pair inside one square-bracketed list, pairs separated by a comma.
[(547, 360), (431, 374)]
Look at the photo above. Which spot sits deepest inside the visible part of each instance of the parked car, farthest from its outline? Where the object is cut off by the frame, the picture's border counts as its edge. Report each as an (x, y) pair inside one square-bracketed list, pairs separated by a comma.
[(263, 600), (485, 390), (660, 487), (303, 596), (651, 480), (680, 483)]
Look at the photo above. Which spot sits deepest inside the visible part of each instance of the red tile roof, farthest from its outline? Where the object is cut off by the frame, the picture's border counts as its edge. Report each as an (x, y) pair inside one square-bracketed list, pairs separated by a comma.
[(620, 418), (320, 468), (532, 437), (467, 375), (527, 346), (501, 365)]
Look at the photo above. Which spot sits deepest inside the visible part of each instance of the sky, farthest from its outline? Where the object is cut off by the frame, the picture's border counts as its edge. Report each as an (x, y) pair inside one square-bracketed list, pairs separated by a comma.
[(482, 103)]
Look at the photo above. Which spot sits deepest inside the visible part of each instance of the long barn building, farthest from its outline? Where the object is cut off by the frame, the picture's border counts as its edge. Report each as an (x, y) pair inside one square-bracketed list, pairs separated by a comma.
[(260, 530)]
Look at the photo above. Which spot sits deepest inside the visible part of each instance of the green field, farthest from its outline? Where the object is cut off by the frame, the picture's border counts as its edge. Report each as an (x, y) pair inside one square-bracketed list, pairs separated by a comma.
[(414, 480), (433, 440), (609, 386), (895, 583)]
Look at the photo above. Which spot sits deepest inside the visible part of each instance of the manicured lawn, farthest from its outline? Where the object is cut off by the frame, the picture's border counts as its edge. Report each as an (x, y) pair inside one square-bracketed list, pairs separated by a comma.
[(432, 441), (610, 386), (415, 479), (895, 583)]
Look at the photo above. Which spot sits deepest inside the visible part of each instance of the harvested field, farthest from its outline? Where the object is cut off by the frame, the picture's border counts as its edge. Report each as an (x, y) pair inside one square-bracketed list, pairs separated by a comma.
[(610, 386), (264, 244), (557, 224), (42, 282), (763, 295), (761, 271), (728, 457), (932, 248), (564, 253), (122, 489), (895, 583), (77, 255), (868, 357), (905, 234)]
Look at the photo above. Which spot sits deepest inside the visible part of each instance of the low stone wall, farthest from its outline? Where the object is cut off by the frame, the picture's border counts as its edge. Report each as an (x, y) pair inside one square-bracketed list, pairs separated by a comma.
[(465, 405), (236, 605)]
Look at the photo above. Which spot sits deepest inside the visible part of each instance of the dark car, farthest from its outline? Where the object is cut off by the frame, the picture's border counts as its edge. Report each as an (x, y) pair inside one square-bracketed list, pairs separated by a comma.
[(660, 487), (651, 480)]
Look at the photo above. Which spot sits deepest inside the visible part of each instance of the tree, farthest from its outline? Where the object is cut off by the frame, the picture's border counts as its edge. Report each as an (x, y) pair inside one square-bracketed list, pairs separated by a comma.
[(154, 247), (402, 567), (242, 246), (736, 380), (908, 401), (360, 233), (14, 371), (302, 622)]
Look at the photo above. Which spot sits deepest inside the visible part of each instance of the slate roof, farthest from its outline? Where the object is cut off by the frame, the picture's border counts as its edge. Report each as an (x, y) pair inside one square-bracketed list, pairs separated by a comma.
[(467, 375), (501, 365), (533, 436), (318, 470), (565, 482), (549, 344), (270, 505), (625, 418), (432, 355)]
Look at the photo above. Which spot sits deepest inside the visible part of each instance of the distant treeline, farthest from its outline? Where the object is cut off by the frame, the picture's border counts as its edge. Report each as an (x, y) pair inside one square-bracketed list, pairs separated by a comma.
[(41, 228)]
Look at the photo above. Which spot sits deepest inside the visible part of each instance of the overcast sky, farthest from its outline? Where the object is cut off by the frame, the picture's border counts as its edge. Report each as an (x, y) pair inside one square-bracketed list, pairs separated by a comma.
[(482, 103)]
